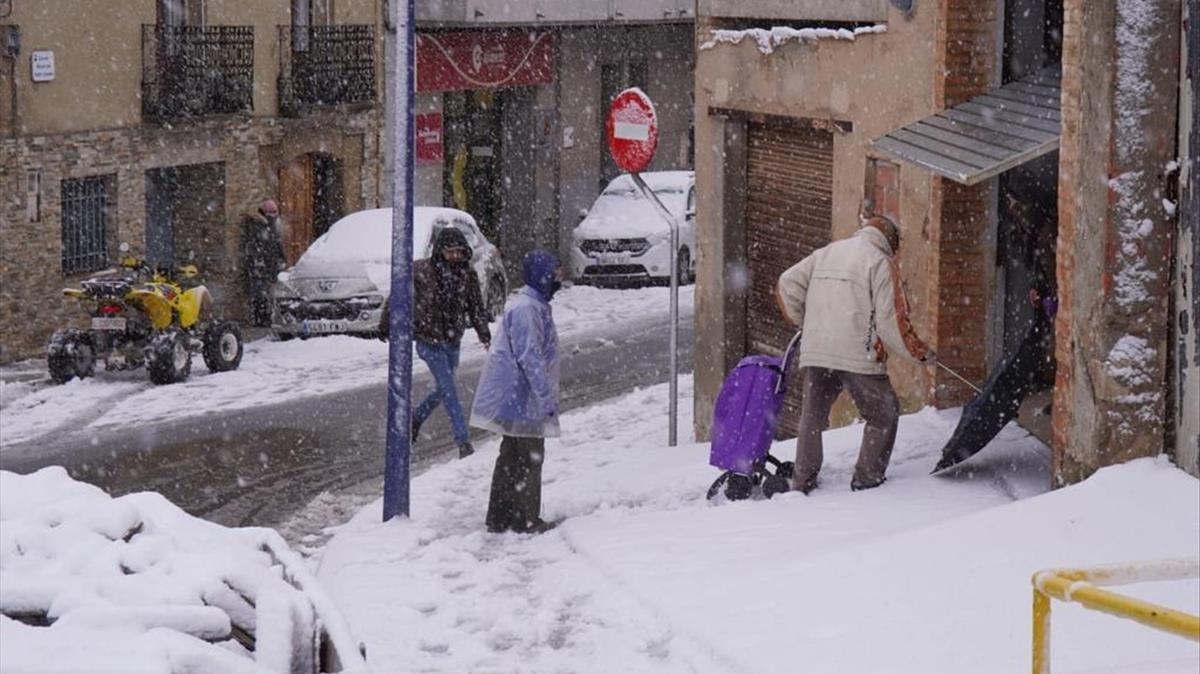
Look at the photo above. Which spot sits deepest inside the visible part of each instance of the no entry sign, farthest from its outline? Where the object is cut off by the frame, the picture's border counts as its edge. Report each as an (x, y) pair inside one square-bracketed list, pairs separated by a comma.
[(632, 130)]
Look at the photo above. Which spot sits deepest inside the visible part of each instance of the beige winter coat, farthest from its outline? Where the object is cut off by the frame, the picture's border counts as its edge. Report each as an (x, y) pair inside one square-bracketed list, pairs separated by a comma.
[(849, 301)]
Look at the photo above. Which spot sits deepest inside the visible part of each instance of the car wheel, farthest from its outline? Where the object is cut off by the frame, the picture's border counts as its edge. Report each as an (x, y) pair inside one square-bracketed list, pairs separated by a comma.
[(168, 357), (222, 347), (70, 355)]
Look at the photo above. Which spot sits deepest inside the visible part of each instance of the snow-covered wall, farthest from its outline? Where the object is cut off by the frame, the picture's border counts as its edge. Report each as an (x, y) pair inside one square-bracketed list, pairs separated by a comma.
[(1120, 79)]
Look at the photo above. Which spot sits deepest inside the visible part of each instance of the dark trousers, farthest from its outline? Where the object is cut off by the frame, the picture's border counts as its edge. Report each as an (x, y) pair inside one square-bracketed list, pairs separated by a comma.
[(516, 499), (258, 291), (876, 401)]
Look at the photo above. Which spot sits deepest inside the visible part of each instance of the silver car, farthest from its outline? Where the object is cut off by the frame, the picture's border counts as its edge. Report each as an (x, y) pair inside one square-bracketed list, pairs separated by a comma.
[(342, 282)]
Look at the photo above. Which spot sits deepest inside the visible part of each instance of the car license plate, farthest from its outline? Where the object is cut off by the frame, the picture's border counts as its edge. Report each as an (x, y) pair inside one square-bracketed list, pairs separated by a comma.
[(323, 327), (108, 323), (613, 258)]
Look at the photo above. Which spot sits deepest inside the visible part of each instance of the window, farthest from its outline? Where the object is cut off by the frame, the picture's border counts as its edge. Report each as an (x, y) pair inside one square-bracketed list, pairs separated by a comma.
[(85, 215), (881, 194), (181, 13), (33, 195)]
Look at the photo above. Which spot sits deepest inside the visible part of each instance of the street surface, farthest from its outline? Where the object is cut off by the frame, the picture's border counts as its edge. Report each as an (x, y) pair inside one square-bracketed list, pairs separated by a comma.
[(260, 465)]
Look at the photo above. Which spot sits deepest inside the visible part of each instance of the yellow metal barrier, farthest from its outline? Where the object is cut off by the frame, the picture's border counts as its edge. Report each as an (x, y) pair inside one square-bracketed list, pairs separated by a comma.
[(1081, 586)]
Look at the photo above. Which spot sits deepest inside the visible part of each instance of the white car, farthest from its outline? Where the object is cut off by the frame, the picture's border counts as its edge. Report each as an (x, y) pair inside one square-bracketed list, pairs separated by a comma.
[(623, 238), (341, 283)]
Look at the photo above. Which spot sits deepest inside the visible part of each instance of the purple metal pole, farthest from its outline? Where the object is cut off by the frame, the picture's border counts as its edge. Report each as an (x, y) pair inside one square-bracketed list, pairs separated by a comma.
[(401, 99)]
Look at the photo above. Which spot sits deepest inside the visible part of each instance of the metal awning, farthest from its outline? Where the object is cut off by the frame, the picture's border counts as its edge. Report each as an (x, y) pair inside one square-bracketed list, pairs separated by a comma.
[(988, 134)]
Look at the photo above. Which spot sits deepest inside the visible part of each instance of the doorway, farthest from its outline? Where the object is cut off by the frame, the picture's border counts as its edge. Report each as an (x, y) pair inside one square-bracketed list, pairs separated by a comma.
[(311, 199)]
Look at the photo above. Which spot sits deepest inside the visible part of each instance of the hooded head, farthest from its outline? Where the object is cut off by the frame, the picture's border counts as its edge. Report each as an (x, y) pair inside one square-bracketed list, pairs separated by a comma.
[(540, 272), (447, 238), (269, 208)]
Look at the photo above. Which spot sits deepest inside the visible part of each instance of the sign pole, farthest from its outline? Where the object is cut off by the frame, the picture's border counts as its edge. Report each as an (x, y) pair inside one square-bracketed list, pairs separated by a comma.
[(400, 101), (632, 131), (673, 340)]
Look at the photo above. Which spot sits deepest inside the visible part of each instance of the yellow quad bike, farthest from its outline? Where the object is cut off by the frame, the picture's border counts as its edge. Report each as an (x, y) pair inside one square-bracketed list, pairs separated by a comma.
[(144, 316)]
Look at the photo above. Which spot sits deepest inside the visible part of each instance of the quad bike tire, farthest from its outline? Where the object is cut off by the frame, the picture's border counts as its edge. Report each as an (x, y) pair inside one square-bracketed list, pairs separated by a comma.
[(70, 355), (223, 347), (169, 357)]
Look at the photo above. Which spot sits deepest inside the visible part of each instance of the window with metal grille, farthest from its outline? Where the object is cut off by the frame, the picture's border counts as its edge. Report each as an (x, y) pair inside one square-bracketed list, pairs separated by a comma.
[(85, 214)]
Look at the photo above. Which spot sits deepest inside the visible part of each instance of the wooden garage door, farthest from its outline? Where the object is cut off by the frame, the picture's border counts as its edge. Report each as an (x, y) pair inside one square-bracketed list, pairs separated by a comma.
[(789, 213)]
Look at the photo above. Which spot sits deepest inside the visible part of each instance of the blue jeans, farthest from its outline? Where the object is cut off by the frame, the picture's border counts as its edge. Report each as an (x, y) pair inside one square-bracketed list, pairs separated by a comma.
[(442, 360)]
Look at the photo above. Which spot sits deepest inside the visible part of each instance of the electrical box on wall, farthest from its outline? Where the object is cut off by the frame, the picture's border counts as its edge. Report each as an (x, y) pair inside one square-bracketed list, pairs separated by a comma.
[(10, 40)]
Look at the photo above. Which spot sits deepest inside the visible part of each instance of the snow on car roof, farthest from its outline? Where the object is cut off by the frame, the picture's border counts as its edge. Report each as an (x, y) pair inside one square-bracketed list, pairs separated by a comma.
[(658, 181), (366, 236)]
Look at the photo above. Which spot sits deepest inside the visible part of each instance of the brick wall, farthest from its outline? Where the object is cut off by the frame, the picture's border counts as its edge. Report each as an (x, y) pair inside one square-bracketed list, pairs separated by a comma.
[(31, 278), (966, 43)]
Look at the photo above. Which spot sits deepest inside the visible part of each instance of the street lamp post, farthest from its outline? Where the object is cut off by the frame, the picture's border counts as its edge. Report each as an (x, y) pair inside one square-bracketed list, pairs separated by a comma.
[(400, 106)]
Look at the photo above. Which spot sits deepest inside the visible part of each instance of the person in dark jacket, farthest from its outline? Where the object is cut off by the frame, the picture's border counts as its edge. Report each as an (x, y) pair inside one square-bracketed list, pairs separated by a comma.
[(517, 397), (445, 294), (263, 257)]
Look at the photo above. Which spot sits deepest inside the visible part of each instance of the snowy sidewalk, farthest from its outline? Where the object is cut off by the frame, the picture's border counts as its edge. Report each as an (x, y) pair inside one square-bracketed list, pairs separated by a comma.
[(923, 575)]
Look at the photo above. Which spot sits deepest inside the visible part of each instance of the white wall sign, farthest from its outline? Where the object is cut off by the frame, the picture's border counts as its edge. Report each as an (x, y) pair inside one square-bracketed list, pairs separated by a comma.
[(42, 63)]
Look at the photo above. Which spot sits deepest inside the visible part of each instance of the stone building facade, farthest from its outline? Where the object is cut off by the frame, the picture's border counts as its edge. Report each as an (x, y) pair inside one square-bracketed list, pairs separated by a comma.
[(169, 167), (517, 139), (836, 87)]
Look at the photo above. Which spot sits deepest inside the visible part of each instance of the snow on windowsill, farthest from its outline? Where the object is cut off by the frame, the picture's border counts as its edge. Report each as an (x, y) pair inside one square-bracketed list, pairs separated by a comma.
[(770, 38)]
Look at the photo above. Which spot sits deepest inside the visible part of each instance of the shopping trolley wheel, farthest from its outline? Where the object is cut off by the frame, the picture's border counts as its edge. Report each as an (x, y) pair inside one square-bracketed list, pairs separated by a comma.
[(775, 484), (738, 487), (786, 470)]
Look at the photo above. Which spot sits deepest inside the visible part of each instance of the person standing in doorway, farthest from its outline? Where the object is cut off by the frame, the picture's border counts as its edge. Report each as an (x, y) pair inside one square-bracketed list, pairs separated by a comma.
[(445, 295), (850, 306), (263, 257), (517, 397)]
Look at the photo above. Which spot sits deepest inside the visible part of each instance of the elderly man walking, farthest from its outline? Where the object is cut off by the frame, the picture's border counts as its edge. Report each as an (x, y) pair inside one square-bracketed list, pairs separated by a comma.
[(850, 306)]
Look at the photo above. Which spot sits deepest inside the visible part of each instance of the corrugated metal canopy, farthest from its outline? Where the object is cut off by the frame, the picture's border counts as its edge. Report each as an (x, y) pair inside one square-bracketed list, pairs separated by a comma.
[(988, 134)]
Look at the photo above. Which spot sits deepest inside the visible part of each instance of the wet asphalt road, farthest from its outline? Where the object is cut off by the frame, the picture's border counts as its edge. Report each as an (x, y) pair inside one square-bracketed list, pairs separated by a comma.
[(257, 467)]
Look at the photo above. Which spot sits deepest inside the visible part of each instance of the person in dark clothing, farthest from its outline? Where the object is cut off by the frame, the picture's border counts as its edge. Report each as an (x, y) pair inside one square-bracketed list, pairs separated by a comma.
[(263, 258), (517, 397), (445, 294), (1030, 367)]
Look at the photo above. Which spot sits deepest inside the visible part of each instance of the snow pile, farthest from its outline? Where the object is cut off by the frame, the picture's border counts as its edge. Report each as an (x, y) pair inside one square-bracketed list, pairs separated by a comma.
[(89, 583), (925, 574), (768, 39), (274, 373)]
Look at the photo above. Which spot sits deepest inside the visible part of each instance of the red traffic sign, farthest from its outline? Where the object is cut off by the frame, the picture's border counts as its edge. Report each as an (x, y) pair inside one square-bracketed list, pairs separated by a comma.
[(632, 130)]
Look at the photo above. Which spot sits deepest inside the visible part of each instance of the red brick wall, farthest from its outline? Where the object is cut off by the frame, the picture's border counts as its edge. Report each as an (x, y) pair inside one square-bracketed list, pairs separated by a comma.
[(967, 49)]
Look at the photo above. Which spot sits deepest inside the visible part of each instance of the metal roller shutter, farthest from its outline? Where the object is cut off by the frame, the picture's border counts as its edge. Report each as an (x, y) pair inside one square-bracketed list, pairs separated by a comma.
[(789, 214)]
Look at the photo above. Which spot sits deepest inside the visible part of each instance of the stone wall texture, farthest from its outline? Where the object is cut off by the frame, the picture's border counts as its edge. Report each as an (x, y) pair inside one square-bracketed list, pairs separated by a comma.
[(248, 151)]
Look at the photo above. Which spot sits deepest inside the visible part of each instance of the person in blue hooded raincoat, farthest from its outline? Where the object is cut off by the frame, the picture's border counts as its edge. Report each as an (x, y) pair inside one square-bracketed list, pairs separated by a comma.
[(517, 397)]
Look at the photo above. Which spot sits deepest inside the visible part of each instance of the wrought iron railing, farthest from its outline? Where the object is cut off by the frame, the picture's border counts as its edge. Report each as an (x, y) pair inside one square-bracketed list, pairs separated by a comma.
[(194, 71), (325, 65)]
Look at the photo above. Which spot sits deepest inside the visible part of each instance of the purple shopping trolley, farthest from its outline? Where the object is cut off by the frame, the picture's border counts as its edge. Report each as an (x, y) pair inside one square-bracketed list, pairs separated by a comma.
[(744, 421)]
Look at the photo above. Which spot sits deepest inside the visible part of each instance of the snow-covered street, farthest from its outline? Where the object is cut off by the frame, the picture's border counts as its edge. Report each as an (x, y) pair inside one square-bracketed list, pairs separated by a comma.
[(278, 372), (644, 575)]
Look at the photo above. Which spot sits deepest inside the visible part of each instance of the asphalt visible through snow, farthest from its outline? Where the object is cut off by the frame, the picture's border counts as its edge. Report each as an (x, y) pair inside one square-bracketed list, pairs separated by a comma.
[(259, 466)]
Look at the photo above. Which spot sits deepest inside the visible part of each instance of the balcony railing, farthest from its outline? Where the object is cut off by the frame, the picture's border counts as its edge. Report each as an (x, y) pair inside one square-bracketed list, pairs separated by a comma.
[(325, 65), (194, 71)]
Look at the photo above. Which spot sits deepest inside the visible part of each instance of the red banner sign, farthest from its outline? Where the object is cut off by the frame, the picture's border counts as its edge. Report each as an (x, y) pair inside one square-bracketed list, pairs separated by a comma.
[(429, 138), (484, 59)]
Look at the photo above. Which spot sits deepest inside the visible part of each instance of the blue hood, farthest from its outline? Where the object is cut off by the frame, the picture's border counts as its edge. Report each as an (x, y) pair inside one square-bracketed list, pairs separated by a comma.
[(538, 270)]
